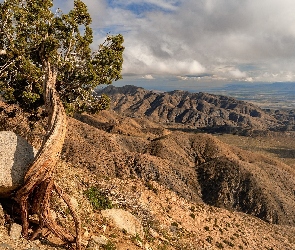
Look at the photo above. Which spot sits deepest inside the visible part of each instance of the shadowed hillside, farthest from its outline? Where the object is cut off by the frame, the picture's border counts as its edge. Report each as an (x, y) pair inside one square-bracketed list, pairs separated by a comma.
[(198, 167)]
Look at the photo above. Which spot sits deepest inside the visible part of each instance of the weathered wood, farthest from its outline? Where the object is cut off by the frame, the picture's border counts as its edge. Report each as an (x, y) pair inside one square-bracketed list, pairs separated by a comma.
[(39, 182)]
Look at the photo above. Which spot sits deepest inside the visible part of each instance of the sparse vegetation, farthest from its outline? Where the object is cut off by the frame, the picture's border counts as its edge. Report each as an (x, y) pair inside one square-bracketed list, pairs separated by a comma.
[(209, 239), (193, 208), (109, 246), (163, 246), (219, 245), (151, 187), (98, 200), (229, 243), (174, 224), (136, 238)]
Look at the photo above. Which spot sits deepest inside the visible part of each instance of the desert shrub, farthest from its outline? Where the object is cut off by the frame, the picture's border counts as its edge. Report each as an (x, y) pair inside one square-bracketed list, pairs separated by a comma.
[(192, 215), (109, 246), (98, 200), (174, 224), (209, 239), (219, 245), (151, 187), (228, 243), (136, 238)]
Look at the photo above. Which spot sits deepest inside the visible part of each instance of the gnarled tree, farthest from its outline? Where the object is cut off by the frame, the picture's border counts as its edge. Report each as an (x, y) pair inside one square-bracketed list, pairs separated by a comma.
[(45, 58)]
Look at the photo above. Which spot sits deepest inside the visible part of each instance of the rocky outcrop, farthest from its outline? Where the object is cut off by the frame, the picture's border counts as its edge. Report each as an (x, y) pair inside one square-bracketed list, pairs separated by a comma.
[(16, 154)]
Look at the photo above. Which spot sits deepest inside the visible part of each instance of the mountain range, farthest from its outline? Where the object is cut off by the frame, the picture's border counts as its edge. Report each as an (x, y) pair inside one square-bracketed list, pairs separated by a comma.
[(205, 111)]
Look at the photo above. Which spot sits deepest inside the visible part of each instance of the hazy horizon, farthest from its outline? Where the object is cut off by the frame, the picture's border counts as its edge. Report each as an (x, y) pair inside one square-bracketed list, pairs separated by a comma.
[(276, 95)]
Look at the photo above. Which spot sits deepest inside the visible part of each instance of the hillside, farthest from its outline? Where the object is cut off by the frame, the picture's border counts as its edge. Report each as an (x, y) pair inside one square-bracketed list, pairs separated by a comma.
[(214, 113), (188, 190)]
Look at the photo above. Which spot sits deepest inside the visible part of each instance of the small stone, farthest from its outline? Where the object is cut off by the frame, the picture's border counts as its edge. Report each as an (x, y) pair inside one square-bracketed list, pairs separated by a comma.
[(104, 228), (2, 216), (15, 231), (154, 233), (74, 203), (37, 242), (86, 233), (96, 242), (139, 243), (147, 247), (53, 214), (100, 240), (84, 242)]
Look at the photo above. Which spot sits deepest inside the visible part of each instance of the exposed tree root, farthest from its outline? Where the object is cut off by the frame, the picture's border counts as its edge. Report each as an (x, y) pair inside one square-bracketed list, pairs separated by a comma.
[(34, 196)]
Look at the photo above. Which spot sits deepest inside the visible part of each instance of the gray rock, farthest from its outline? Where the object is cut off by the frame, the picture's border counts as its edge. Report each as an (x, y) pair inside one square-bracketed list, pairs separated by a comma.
[(6, 246), (101, 240), (15, 231), (96, 242), (124, 221), (16, 154)]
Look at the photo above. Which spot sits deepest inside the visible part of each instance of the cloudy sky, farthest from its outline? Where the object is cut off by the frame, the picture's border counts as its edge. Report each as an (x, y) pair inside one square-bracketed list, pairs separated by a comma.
[(200, 40)]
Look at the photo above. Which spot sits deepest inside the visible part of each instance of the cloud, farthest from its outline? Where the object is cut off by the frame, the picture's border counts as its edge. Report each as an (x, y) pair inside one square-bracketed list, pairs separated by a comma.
[(142, 60), (148, 77), (182, 37), (237, 73)]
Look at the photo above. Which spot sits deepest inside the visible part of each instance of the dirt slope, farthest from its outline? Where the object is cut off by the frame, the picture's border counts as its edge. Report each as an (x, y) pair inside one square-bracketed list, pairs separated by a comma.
[(198, 167), (173, 182)]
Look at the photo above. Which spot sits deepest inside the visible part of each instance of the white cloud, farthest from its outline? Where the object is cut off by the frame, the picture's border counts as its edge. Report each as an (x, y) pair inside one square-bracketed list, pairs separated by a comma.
[(177, 67), (194, 37), (237, 73), (148, 77)]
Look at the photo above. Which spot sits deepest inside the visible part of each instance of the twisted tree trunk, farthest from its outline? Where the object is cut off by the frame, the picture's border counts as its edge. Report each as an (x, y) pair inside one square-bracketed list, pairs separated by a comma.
[(34, 196)]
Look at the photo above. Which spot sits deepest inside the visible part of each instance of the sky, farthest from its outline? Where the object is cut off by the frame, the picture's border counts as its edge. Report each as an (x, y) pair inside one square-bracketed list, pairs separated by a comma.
[(199, 41)]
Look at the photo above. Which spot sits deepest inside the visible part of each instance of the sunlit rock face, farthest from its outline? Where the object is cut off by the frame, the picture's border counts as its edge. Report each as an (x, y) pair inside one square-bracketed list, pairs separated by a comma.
[(16, 154)]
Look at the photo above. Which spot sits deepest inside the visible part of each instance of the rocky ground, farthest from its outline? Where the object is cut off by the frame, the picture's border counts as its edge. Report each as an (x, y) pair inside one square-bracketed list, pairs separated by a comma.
[(139, 185)]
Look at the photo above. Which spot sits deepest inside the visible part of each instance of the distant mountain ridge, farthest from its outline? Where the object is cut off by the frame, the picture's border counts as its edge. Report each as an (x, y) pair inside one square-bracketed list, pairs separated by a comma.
[(199, 110)]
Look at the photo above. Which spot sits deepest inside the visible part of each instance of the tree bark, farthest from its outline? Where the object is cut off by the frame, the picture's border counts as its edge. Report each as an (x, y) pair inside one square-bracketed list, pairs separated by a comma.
[(34, 196)]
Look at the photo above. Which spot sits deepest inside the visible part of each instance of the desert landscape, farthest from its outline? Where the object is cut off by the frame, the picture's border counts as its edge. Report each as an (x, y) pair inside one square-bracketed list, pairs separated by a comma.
[(194, 171)]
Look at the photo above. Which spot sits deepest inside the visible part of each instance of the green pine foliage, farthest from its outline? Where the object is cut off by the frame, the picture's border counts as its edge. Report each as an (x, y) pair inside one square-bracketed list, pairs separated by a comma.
[(32, 37)]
